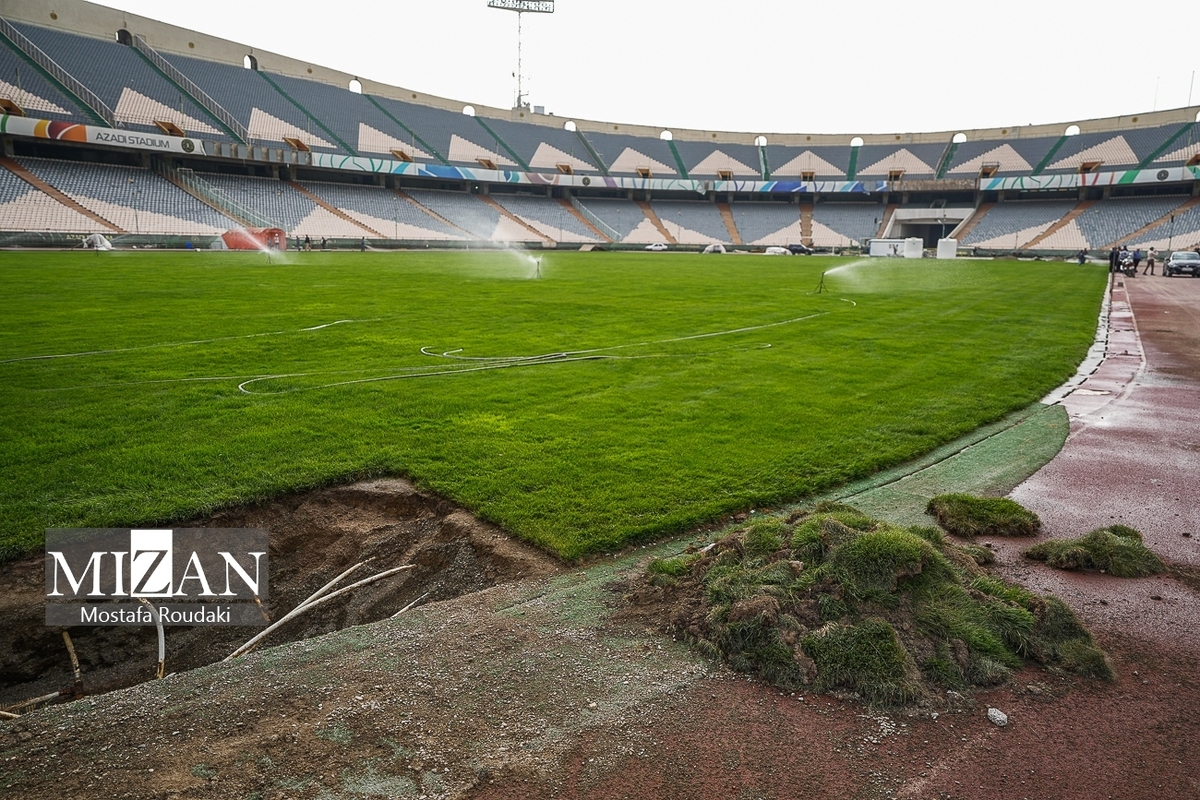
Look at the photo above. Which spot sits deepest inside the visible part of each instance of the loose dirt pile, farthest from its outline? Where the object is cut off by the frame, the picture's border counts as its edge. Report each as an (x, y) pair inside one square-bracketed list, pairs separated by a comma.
[(831, 599)]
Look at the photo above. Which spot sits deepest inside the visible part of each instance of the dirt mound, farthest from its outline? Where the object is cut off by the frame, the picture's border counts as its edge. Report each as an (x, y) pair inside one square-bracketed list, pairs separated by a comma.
[(314, 536), (832, 599)]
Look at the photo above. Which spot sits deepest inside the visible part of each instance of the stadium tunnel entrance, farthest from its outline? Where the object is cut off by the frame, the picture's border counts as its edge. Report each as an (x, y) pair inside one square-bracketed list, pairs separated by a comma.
[(314, 537), (927, 224)]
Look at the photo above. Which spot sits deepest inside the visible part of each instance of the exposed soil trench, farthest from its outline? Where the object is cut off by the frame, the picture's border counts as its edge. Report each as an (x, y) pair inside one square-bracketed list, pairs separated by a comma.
[(314, 536)]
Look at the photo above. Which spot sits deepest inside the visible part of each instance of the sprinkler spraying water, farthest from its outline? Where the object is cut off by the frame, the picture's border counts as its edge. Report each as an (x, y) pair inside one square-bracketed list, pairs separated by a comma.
[(821, 285), (537, 271)]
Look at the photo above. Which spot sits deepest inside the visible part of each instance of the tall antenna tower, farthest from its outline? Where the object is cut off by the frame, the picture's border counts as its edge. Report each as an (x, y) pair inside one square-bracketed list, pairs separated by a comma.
[(522, 7)]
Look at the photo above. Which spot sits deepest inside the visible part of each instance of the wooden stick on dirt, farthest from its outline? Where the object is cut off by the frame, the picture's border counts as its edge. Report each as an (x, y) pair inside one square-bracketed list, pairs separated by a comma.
[(262, 610), (35, 701), (310, 604), (162, 642), (74, 663), (333, 583), (9, 715), (410, 605)]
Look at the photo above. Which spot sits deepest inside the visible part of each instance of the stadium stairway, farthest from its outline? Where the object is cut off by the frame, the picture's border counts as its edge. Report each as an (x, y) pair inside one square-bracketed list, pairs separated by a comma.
[(337, 212), (806, 220), (946, 159), (201, 190), (596, 159), (220, 117), (65, 82), (1162, 148), (1067, 219), (300, 107), (730, 225), (39, 184), (172, 176), (408, 199), (970, 222), (1164, 219), (887, 220), (1046, 159), (504, 212), (574, 212), (655, 221)]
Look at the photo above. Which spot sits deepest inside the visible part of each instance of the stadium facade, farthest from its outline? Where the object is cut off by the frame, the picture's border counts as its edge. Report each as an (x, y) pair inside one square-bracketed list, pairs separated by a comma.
[(125, 126)]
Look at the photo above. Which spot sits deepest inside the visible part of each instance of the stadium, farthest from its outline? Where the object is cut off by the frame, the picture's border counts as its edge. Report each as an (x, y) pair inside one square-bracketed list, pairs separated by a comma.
[(130, 128), (579, 479)]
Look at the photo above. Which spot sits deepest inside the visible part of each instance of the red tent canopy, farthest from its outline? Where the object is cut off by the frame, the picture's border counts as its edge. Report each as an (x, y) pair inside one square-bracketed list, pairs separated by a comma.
[(255, 239)]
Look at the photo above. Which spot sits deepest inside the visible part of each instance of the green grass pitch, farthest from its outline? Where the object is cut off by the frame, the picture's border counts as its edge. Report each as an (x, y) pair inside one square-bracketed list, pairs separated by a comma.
[(620, 396)]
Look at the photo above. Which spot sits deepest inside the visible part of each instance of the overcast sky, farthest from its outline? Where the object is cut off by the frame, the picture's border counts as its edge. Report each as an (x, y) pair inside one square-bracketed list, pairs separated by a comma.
[(851, 66)]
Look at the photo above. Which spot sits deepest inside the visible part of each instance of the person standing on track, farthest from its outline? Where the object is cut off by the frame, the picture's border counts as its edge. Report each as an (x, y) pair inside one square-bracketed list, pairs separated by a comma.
[(1113, 259), (1150, 254)]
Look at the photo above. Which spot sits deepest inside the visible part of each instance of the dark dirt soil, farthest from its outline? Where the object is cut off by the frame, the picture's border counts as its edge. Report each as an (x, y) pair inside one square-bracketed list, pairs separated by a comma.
[(314, 537), (538, 688)]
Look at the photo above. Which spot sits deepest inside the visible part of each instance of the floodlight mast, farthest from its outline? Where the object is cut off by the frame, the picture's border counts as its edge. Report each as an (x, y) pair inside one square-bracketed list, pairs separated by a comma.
[(522, 7)]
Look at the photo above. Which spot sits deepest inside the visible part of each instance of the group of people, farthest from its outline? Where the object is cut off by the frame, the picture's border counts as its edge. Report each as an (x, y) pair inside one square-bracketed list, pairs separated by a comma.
[(308, 242), (1119, 255)]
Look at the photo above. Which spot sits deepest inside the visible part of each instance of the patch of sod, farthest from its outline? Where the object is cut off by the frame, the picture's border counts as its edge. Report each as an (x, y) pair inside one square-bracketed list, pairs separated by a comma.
[(1117, 550), (647, 433), (968, 516), (894, 614)]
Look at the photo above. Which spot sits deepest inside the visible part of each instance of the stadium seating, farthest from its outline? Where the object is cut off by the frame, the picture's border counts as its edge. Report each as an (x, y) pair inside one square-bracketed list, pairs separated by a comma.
[(548, 217), (1126, 149), (24, 208), (691, 221), (916, 160), (768, 223), (137, 93), (473, 215), (296, 213), (971, 157), (1009, 226), (1105, 222), (1183, 149), (827, 163), (344, 114), (453, 136), (707, 161), (543, 148), (1179, 234), (384, 211), (845, 224), (626, 155), (134, 199), (25, 86), (334, 119), (1116, 218), (1011, 156), (626, 218), (254, 102)]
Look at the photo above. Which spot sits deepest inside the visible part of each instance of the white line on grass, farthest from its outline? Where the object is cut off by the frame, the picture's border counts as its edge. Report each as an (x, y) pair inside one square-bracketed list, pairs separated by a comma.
[(175, 344), (506, 362)]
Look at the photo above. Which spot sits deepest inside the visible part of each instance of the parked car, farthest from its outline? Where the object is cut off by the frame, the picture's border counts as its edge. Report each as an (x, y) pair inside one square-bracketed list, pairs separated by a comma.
[(657, 247), (800, 249), (1183, 261)]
